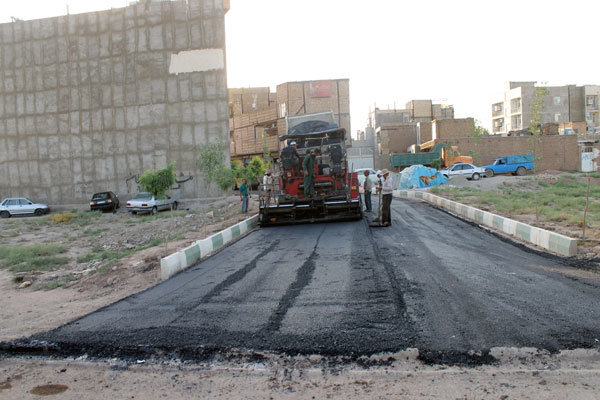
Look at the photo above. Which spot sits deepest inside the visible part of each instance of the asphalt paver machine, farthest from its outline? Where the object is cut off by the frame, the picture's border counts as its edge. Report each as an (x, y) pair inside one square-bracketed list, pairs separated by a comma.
[(336, 195)]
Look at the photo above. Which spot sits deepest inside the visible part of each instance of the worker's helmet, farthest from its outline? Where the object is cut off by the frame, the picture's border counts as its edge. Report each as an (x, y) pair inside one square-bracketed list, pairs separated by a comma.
[(293, 143)]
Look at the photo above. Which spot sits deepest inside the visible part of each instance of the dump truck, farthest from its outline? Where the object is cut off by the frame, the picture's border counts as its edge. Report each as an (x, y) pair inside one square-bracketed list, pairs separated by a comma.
[(448, 154), (336, 195)]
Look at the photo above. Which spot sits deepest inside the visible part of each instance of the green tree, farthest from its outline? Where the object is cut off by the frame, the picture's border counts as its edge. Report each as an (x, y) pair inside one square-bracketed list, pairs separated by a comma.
[(479, 130), (211, 161), (238, 170), (535, 128), (212, 165), (255, 169), (159, 181)]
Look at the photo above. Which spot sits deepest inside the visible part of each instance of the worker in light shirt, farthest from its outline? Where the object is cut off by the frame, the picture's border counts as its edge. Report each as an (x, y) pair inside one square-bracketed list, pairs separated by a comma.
[(386, 191)]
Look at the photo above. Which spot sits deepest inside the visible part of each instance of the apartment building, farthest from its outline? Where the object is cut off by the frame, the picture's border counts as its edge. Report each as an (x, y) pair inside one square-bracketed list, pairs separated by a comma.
[(592, 102), (415, 111), (562, 105)]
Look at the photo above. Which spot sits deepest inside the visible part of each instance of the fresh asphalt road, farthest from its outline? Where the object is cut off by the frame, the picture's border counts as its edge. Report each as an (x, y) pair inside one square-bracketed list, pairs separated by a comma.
[(429, 281)]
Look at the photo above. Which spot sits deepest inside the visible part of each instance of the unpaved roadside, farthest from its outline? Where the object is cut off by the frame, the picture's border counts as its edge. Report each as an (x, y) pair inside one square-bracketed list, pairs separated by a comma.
[(78, 288), (519, 374)]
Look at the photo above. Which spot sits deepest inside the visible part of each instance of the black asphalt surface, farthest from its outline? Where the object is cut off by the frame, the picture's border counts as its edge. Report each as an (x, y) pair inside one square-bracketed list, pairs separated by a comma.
[(429, 281)]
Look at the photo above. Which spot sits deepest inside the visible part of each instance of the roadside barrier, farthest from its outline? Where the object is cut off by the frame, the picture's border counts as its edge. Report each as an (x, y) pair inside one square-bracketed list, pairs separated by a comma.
[(543, 238), (183, 259)]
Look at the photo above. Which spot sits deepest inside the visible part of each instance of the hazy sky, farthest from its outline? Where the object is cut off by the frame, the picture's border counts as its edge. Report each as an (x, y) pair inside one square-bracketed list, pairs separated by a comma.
[(460, 52)]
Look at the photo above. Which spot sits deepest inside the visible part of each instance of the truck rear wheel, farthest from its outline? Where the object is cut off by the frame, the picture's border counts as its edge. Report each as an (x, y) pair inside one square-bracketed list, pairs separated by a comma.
[(521, 171)]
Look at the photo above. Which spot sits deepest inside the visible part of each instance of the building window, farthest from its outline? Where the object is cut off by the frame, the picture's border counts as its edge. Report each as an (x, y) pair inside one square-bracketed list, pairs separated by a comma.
[(516, 122), (515, 105), (592, 101), (556, 117), (282, 110), (497, 107), (556, 100)]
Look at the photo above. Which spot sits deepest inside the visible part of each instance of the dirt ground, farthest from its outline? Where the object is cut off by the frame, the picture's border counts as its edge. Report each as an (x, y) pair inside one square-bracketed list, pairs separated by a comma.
[(518, 374), (88, 282)]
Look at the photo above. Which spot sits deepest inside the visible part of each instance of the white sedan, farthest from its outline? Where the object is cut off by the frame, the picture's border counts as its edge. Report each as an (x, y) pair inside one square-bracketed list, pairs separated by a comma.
[(469, 171), (21, 206)]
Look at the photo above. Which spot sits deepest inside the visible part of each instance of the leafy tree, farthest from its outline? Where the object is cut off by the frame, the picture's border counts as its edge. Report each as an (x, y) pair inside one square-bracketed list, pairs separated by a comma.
[(255, 169), (479, 130), (212, 166), (211, 161), (437, 163), (159, 181), (535, 128), (238, 170)]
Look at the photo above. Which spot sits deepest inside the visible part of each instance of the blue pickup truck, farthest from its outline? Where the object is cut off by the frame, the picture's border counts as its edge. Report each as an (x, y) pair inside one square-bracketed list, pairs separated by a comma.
[(517, 165)]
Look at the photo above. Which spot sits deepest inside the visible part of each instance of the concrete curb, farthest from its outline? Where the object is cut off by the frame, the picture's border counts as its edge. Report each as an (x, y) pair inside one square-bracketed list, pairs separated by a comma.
[(545, 239), (183, 259)]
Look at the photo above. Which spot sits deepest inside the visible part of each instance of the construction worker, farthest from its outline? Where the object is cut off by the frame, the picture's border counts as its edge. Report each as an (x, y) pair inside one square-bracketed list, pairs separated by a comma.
[(268, 186), (308, 165), (291, 152), (386, 190), (244, 195), (367, 188)]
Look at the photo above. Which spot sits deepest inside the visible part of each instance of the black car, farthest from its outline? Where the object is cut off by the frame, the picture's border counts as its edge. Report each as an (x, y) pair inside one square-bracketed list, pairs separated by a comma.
[(105, 201)]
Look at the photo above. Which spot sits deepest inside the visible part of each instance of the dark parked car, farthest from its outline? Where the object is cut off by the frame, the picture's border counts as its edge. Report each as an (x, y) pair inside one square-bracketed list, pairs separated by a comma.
[(104, 201)]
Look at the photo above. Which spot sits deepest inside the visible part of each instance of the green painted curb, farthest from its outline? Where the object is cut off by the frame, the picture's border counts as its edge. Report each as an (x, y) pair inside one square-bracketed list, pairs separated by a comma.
[(217, 241), (192, 254), (523, 231), (559, 244), (498, 222), (235, 231)]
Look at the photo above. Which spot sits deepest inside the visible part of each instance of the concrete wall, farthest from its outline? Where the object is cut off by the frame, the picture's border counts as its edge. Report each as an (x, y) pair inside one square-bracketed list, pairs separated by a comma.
[(555, 152), (452, 128), (88, 101)]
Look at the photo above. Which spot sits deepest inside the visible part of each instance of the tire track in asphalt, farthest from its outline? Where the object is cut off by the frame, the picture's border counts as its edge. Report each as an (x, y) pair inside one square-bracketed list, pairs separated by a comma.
[(303, 278), (396, 285), (229, 281)]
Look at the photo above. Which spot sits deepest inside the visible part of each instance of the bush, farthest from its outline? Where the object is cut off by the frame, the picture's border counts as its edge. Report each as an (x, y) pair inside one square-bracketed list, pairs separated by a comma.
[(159, 181), (64, 218)]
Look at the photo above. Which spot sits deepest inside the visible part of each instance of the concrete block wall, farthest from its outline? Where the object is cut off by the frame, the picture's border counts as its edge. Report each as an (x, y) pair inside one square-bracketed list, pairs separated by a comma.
[(452, 128), (554, 152), (88, 101)]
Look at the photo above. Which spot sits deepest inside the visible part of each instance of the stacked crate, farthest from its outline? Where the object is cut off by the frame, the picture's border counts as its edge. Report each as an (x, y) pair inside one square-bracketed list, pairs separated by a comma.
[(307, 97)]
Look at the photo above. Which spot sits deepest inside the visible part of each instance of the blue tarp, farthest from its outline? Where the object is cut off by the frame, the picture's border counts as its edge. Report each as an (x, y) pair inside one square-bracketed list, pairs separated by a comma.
[(416, 176)]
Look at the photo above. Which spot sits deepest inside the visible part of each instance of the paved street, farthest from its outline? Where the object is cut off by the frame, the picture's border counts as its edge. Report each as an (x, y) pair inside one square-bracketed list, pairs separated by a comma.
[(430, 281)]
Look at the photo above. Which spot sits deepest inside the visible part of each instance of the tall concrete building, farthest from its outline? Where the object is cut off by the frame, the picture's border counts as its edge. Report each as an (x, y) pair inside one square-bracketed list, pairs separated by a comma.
[(562, 105), (89, 102)]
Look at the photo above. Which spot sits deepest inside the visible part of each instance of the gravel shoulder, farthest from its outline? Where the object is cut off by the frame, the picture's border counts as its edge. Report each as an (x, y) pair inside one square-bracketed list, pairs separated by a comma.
[(110, 257), (520, 374)]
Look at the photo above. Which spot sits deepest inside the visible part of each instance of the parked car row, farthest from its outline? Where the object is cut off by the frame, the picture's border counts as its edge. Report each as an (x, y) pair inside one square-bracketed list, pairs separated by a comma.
[(102, 201), (516, 165)]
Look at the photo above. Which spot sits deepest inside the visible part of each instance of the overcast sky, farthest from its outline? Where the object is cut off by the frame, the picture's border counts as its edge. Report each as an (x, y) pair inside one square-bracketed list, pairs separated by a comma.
[(459, 52)]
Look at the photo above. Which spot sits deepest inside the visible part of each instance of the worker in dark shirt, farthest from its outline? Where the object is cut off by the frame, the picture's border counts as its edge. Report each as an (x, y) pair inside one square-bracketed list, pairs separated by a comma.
[(290, 153), (308, 165), (291, 148)]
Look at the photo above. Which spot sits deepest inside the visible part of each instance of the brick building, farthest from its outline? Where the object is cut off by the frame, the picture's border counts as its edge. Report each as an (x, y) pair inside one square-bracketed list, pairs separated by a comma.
[(258, 116)]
